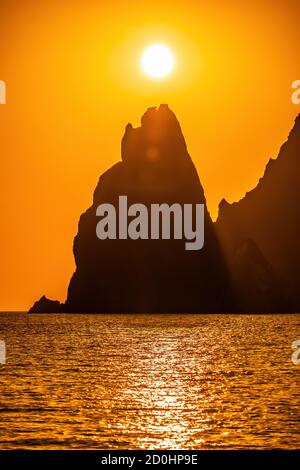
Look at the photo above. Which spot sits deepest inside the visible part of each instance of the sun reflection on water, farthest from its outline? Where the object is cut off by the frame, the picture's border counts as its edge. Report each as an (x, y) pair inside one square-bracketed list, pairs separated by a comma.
[(149, 382)]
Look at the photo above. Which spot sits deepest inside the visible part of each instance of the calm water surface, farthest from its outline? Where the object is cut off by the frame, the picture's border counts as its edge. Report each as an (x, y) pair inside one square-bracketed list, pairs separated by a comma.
[(149, 382)]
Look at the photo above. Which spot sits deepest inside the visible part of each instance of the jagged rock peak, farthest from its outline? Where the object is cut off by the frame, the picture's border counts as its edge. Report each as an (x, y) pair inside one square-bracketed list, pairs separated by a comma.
[(223, 204), (296, 127), (159, 138)]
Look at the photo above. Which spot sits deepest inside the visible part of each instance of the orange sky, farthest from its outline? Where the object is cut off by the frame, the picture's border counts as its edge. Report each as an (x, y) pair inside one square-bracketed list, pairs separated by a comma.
[(73, 82)]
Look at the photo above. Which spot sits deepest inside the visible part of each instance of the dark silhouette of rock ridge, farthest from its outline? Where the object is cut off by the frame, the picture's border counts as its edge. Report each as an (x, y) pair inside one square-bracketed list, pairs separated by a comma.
[(269, 216), (45, 305)]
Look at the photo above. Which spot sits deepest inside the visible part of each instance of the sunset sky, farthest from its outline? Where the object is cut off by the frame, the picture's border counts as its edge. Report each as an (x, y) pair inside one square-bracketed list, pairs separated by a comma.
[(74, 80)]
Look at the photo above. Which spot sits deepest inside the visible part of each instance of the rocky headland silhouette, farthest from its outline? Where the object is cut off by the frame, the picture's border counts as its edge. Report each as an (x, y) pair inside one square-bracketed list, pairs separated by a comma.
[(259, 235), (250, 261)]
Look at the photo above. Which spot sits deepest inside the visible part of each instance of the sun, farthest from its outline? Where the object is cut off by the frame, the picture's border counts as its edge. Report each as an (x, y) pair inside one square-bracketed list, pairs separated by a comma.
[(157, 61)]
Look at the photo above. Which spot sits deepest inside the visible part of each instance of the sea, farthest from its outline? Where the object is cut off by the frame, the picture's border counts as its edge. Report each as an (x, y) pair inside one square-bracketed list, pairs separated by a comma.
[(90, 381)]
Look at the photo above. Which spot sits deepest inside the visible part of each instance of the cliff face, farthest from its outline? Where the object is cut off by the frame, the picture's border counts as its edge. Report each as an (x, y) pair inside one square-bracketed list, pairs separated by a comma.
[(251, 256), (269, 216), (148, 275)]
